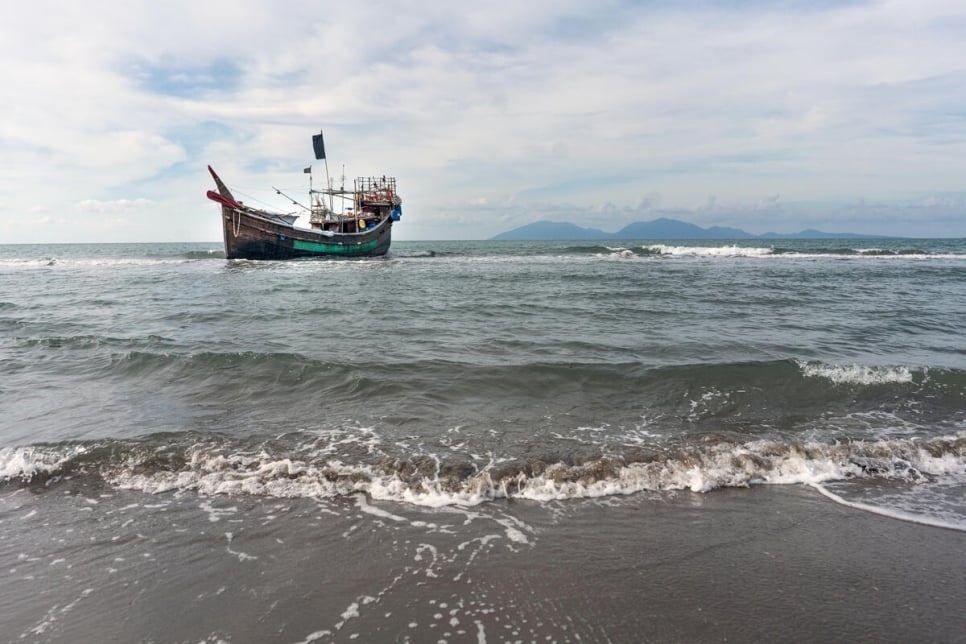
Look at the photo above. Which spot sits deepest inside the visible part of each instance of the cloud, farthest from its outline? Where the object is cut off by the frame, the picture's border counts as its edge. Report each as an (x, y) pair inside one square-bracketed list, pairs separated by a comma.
[(557, 108), (116, 206), (185, 80)]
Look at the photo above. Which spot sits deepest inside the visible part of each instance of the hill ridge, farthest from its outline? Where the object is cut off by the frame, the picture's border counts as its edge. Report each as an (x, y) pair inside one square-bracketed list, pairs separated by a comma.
[(661, 228)]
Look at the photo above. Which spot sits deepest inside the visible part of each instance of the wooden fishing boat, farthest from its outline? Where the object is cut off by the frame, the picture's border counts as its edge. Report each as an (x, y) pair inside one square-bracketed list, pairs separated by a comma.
[(360, 227)]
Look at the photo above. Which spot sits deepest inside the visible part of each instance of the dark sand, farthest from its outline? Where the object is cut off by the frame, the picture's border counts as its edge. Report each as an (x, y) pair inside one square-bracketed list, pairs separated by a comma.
[(763, 564)]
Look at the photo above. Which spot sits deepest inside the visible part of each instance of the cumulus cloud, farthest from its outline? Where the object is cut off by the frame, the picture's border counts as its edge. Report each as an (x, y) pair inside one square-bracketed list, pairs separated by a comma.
[(558, 108)]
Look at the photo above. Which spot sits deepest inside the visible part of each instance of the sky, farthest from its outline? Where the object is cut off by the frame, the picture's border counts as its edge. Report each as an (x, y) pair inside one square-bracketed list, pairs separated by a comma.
[(767, 116)]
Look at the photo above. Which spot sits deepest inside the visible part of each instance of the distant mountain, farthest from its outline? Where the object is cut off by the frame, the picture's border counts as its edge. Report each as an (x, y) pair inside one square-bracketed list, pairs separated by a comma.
[(811, 233), (665, 228), (542, 230), (662, 228)]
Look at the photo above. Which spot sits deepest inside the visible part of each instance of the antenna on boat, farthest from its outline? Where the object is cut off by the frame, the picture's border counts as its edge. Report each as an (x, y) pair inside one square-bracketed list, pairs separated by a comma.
[(279, 192), (318, 144)]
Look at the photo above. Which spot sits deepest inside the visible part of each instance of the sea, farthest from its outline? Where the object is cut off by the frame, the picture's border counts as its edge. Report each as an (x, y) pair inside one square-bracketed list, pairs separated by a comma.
[(481, 441)]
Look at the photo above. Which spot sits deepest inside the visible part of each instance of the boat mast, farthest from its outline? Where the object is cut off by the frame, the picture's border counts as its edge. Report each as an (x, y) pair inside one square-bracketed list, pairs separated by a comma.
[(342, 192), (328, 182), (318, 144)]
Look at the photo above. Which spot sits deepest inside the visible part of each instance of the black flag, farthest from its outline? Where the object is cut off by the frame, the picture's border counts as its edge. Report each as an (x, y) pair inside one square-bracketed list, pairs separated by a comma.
[(319, 145)]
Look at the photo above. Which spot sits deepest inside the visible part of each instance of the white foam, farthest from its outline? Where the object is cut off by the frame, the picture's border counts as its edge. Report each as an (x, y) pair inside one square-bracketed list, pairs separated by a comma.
[(621, 252), (857, 374), (55, 613), (71, 263), (349, 613), (893, 513), (315, 637), (867, 254), (709, 251), (216, 514), (27, 462), (370, 509), (699, 467), (242, 556)]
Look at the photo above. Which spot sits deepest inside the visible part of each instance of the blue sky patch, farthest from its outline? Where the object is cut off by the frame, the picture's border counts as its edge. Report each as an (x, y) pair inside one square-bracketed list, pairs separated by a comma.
[(188, 81)]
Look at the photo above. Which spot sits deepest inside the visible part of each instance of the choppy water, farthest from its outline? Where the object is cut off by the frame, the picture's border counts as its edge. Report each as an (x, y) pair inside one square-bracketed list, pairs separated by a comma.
[(461, 372), (480, 441)]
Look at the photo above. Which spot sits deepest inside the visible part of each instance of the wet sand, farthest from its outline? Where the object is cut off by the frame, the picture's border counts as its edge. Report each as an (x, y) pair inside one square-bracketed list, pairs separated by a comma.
[(770, 563)]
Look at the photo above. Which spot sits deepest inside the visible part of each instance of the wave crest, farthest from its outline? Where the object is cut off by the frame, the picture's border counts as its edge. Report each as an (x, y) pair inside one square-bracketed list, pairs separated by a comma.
[(431, 481), (709, 251), (857, 374)]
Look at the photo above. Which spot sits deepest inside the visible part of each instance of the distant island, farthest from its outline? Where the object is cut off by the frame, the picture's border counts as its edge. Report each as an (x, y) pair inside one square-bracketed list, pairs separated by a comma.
[(662, 228)]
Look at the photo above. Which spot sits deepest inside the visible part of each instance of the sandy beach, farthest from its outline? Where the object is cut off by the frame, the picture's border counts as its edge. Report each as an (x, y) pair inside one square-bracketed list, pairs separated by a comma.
[(759, 564)]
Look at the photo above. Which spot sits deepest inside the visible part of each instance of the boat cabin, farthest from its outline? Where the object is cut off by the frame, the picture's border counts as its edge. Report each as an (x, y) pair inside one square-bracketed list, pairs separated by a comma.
[(373, 200)]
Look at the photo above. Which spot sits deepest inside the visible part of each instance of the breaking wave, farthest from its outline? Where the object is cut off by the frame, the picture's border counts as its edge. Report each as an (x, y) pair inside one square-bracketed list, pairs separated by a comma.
[(179, 463), (735, 250), (708, 251), (857, 374)]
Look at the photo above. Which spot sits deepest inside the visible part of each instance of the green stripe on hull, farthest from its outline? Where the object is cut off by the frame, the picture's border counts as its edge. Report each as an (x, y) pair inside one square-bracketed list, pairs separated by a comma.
[(335, 249)]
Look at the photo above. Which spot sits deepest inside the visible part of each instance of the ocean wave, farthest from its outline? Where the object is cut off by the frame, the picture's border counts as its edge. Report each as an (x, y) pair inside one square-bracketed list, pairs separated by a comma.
[(767, 393), (607, 374), (211, 253), (38, 461), (779, 252), (599, 250), (62, 263), (27, 263), (708, 251), (701, 466), (753, 396), (631, 251), (860, 252), (89, 341), (414, 254), (858, 374), (665, 250)]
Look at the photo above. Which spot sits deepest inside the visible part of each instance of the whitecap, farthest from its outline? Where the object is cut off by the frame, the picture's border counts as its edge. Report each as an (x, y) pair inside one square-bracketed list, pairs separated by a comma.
[(857, 374)]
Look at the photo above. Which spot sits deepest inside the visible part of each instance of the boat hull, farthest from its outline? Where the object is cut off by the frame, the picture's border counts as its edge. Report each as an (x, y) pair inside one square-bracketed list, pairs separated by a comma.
[(250, 236)]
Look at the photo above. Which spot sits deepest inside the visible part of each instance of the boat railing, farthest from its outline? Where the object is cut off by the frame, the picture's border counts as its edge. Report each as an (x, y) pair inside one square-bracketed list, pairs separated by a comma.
[(375, 189)]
